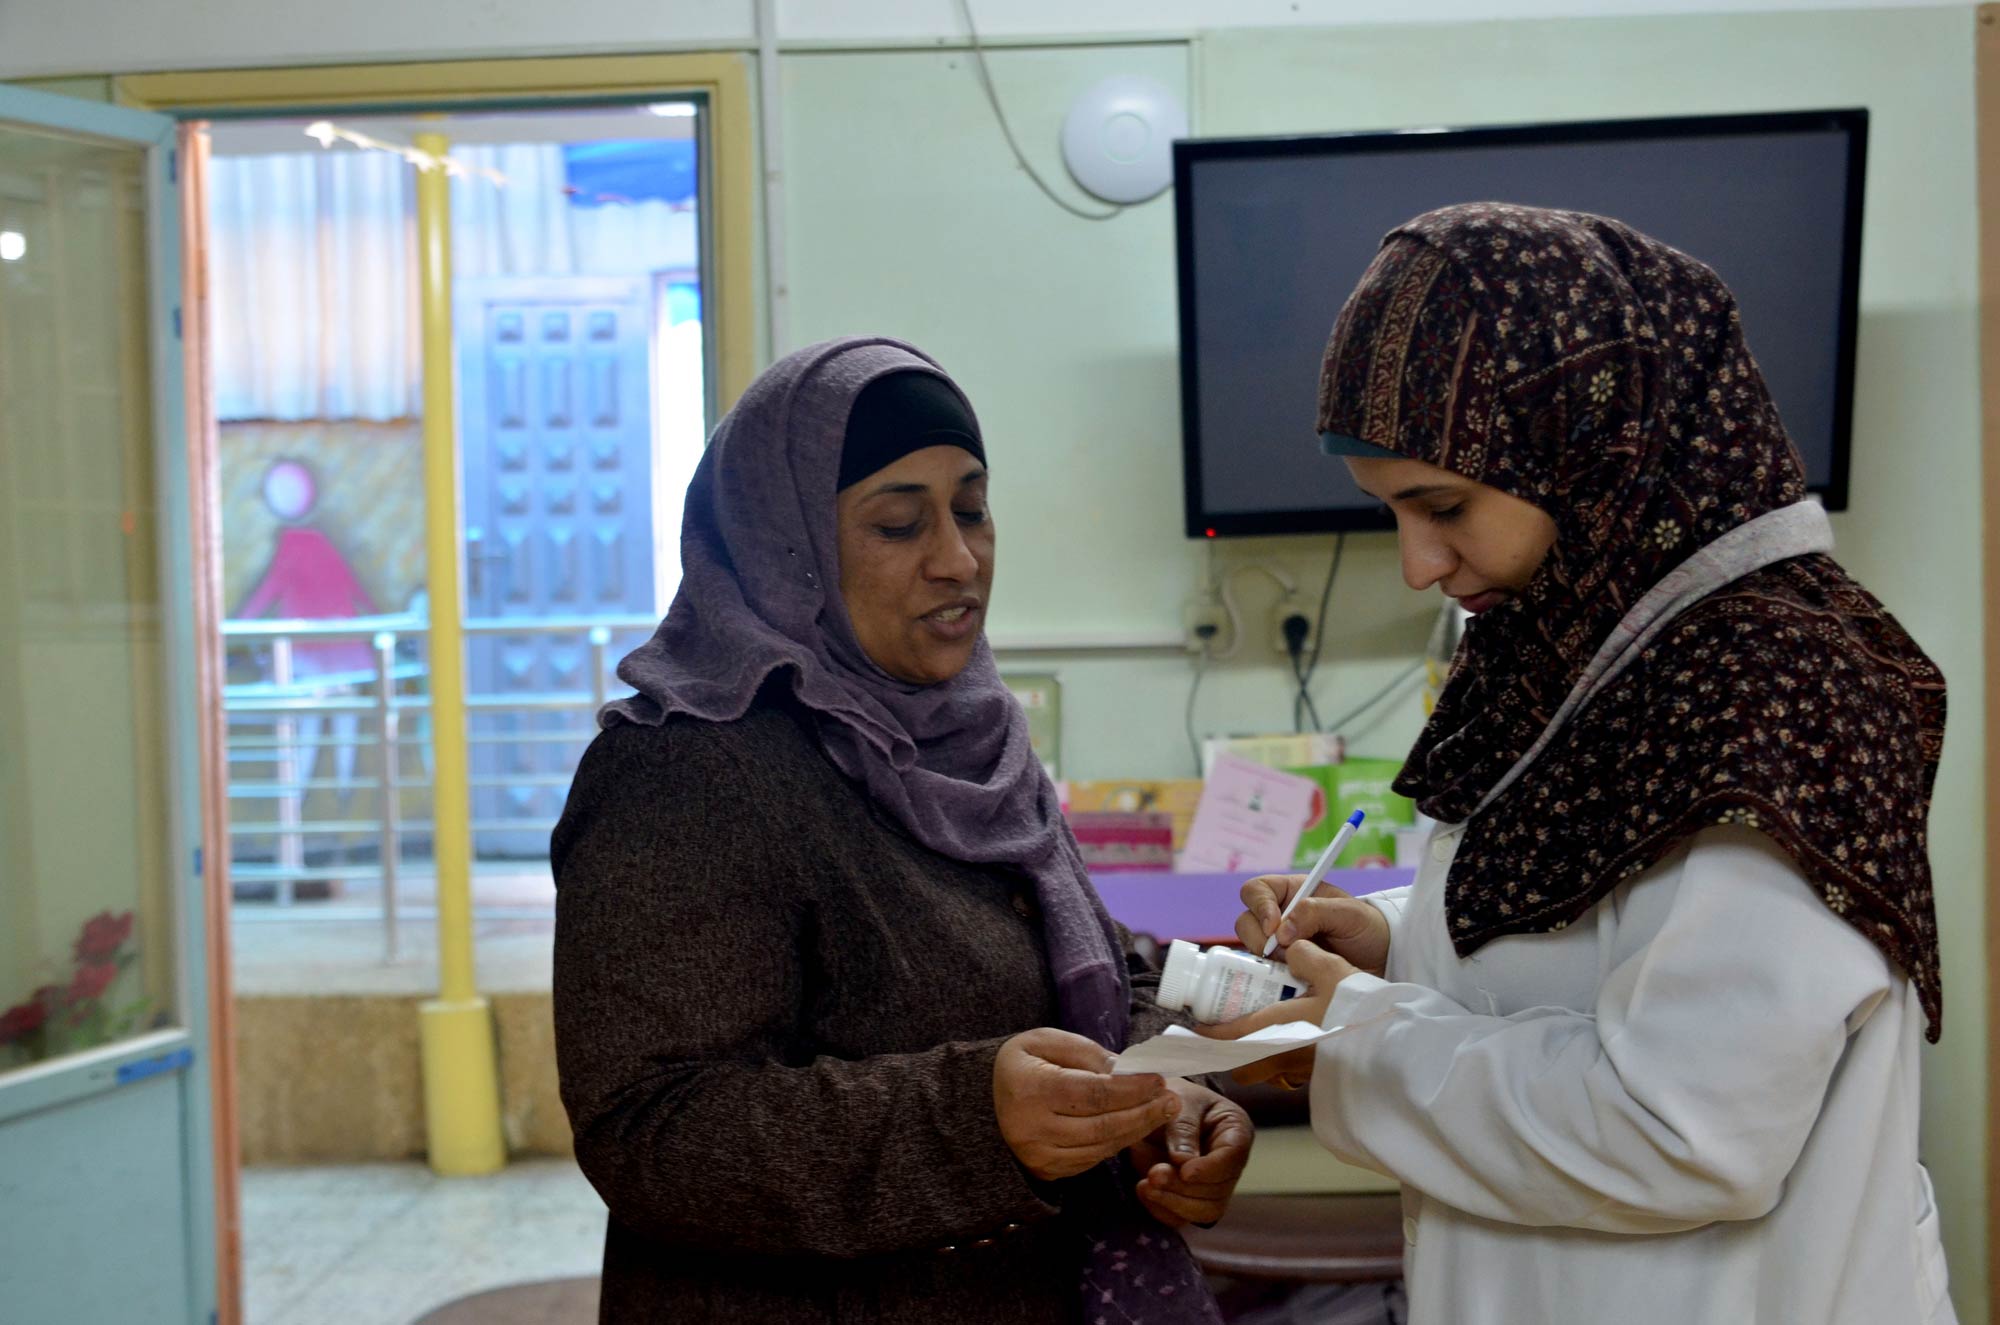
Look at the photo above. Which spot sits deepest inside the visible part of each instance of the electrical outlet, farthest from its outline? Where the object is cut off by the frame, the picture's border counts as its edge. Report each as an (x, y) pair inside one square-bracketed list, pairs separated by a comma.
[(1205, 615), (1288, 606)]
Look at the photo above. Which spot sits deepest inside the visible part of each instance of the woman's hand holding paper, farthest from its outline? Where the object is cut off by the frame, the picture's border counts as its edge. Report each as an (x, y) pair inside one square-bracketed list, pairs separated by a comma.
[(1061, 1111), (1189, 1168)]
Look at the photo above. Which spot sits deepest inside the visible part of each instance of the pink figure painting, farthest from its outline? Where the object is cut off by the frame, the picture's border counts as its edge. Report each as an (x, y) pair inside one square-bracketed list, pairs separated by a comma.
[(308, 579)]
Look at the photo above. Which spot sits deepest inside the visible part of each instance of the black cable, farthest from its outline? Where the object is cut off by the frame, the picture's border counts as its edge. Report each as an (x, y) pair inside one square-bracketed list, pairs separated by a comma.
[(1302, 700), (1325, 597), (1304, 676), (1194, 688), (1006, 132), (1380, 695)]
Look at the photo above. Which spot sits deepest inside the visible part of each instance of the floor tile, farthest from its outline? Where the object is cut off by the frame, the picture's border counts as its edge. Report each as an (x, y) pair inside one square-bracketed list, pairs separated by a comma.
[(381, 1244)]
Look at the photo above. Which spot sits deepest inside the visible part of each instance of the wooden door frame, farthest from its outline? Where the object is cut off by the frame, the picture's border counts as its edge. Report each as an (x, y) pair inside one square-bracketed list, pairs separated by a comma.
[(1987, 116), (205, 519)]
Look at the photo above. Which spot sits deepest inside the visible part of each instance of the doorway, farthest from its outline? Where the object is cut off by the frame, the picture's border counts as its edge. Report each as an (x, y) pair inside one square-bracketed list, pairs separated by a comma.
[(581, 361), (342, 881)]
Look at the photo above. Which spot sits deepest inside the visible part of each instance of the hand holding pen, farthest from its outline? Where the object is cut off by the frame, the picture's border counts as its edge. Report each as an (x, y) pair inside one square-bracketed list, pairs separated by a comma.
[(1283, 907), (1313, 880)]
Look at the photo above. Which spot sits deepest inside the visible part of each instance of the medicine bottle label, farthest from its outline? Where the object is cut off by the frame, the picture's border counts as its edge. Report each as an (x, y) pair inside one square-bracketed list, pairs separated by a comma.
[(1242, 992)]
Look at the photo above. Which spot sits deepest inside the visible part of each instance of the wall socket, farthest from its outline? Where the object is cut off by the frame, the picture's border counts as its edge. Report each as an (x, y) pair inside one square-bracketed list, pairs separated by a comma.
[(1205, 611), (1290, 605)]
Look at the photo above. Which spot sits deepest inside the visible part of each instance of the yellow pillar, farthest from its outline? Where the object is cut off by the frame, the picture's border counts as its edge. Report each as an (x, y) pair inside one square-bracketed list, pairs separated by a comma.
[(461, 1070)]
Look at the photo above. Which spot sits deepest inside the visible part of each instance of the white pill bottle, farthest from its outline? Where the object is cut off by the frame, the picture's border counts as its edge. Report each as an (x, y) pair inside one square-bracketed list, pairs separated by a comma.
[(1222, 984)]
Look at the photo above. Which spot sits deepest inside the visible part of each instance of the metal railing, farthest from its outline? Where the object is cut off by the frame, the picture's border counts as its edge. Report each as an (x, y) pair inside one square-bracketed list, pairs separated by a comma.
[(293, 683)]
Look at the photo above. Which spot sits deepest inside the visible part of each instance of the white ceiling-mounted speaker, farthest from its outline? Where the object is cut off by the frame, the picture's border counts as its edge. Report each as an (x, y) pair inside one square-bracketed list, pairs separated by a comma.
[(1117, 139)]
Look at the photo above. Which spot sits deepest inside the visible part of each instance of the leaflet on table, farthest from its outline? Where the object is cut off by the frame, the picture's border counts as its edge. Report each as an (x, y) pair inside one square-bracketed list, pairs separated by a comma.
[(1249, 819), (1344, 786)]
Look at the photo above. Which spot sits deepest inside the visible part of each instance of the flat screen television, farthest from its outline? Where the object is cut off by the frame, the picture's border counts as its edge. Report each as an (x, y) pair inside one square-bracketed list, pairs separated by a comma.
[(1273, 233)]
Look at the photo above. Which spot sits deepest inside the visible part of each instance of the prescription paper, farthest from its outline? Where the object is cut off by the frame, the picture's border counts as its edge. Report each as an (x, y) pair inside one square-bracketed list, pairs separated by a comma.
[(1179, 1052)]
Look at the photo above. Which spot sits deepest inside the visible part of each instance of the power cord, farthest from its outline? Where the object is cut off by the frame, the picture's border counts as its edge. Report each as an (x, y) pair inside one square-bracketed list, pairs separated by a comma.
[(1295, 628), (1219, 586), (993, 98), (1319, 637), (1394, 685), (1205, 633)]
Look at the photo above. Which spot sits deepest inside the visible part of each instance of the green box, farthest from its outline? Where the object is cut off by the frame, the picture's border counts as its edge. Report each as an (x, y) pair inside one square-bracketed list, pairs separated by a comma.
[(1355, 784)]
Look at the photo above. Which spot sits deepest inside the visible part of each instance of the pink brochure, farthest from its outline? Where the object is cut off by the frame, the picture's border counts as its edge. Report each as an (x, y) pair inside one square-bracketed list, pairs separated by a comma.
[(1249, 819)]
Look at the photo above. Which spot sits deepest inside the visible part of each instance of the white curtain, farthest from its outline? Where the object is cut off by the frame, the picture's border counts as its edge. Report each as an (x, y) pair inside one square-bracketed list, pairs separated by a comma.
[(312, 273), (521, 228), (312, 261), (532, 226)]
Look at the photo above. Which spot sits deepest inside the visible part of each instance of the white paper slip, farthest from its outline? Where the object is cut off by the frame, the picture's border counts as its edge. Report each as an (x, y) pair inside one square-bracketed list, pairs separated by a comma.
[(1179, 1052)]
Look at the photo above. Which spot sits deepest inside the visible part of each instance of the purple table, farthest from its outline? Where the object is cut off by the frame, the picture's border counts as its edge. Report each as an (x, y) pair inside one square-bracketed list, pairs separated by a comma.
[(1202, 908)]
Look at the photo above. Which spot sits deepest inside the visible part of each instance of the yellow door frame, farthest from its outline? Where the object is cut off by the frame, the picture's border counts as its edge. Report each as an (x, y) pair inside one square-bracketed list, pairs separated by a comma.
[(729, 184), (722, 79), (461, 1071)]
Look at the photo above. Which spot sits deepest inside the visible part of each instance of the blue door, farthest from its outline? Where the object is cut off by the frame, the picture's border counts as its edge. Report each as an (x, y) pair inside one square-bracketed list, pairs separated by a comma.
[(107, 1190), (556, 436)]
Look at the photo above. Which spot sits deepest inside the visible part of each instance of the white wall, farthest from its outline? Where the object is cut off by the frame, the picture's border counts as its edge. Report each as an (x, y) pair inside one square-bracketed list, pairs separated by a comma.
[(920, 224), (901, 20), (1063, 332), (43, 38)]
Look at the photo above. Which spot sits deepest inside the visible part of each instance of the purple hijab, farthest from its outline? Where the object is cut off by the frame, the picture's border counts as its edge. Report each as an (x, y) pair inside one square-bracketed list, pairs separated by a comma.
[(950, 762), (760, 594)]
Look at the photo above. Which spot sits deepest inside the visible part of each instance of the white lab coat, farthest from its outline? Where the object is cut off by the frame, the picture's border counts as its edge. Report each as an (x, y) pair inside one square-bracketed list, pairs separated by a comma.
[(1696, 1105)]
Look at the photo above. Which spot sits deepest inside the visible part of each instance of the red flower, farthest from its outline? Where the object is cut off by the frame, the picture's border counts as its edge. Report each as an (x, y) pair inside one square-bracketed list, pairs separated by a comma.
[(103, 934), (22, 1019), (92, 979)]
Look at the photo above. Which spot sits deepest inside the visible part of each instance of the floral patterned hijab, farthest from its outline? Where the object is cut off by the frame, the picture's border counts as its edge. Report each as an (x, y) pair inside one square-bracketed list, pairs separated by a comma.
[(1602, 376)]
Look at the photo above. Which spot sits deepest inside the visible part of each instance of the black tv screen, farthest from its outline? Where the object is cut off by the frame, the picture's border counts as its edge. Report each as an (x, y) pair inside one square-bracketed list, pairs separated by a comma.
[(1275, 232)]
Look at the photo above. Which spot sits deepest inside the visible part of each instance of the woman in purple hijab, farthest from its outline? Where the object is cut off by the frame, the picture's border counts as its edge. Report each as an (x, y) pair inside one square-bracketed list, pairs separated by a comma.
[(835, 1000)]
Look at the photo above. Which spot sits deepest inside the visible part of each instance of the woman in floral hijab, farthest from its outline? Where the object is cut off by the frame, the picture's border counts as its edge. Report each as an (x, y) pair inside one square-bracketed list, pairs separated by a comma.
[(1641, 1039)]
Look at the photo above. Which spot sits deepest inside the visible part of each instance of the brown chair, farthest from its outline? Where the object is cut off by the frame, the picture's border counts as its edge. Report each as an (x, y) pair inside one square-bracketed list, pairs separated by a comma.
[(548, 1302), (1318, 1239), (1323, 1238)]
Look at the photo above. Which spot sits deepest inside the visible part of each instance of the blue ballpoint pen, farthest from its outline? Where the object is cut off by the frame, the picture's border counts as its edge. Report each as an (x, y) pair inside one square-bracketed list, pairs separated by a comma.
[(1333, 848)]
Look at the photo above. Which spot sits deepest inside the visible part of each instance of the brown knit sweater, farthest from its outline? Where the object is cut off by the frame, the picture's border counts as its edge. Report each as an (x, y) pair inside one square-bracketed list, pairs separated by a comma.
[(776, 1019)]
